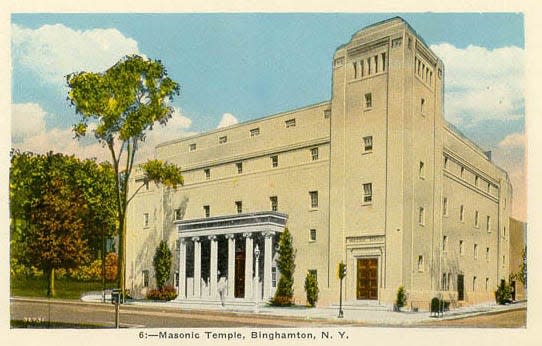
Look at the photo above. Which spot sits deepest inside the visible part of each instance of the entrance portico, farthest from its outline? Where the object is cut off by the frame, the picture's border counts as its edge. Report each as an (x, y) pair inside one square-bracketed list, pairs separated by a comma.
[(216, 255)]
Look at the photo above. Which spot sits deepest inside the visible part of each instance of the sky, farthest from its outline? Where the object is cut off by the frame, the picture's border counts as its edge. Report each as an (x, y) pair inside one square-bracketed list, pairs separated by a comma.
[(237, 67)]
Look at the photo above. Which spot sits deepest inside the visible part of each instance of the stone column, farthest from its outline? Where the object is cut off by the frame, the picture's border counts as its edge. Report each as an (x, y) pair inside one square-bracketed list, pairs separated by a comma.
[(249, 255), (267, 262), (231, 265), (197, 266), (182, 268), (213, 268)]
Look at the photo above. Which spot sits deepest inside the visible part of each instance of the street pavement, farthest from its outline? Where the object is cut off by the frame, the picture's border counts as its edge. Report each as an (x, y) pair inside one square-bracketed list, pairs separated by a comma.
[(174, 314)]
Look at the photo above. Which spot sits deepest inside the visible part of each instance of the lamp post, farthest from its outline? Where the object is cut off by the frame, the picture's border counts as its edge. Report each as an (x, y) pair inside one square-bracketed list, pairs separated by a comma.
[(257, 278)]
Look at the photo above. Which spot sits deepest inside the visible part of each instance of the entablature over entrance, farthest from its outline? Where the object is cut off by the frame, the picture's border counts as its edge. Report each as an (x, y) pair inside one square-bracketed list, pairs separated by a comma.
[(230, 224)]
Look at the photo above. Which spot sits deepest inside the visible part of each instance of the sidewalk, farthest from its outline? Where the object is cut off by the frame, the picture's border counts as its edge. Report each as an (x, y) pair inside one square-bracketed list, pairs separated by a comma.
[(378, 315)]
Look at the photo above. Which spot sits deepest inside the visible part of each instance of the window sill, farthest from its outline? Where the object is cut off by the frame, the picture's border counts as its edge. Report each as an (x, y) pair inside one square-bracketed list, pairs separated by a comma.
[(367, 109), (366, 204), (367, 152), (313, 209)]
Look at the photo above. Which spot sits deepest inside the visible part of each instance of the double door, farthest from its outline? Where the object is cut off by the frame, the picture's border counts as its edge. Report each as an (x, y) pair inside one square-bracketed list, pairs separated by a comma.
[(367, 279)]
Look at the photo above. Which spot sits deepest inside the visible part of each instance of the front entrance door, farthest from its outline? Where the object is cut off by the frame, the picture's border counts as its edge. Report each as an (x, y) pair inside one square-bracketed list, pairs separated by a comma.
[(239, 291), (367, 283), (460, 287)]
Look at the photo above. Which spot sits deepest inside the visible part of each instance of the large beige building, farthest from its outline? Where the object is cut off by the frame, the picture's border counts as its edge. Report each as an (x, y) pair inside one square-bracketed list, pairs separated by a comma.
[(375, 177)]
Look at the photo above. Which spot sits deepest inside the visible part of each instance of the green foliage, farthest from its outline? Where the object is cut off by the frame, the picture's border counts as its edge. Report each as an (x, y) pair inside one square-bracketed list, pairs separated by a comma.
[(311, 289), (165, 293), (165, 173), (162, 264), (401, 298), (503, 294), (521, 276), (286, 266), (123, 103)]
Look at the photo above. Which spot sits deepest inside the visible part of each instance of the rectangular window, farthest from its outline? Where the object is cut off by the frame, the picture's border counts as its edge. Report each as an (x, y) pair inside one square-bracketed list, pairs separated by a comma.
[(327, 114), (504, 232), (503, 260), (487, 254), (314, 273), (475, 251), (368, 143), (368, 193), (207, 210), (274, 276), (314, 199), (314, 154), (239, 207), (192, 147), (420, 263), (145, 278), (487, 284), (312, 235), (445, 206), (177, 214), (488, 224), (445, 163), (207, 173), (146, 220), (422, 106), (462, 171), (368, 100), (290, 123), (274, 161), (476, 219), (444, 243), (355, 65), (444, 282), (255, 132), (461, 252), (474, 283), (461, 213), (239, 166), (421, 216), (421, 170), (476, 179), (223, 139), (274, 203), (383, 61), (176, 279)]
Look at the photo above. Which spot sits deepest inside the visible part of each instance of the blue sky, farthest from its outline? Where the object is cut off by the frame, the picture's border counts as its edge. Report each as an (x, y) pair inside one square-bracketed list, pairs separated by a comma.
[(237, 67)]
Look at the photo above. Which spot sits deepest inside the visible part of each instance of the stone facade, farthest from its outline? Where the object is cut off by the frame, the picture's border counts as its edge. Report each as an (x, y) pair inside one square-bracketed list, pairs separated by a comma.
[(375, 177)]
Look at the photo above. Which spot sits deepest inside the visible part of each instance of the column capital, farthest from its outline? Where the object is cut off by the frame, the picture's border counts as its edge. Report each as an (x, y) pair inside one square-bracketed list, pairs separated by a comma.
[(247, 234), (196, 239), (268, 234), (212, 237), (182, 240), (229, 236)]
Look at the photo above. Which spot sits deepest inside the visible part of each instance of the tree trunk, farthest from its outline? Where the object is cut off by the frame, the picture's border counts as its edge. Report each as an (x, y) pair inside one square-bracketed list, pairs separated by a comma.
[(51, 283), (122, 256)]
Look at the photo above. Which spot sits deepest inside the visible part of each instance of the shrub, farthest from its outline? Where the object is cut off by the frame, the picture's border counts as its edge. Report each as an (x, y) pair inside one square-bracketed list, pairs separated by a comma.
[(401, 299), (166, 293), (503, 294), (90, 272), (311, 288), (111, 271), (162, 264), (286, 266)]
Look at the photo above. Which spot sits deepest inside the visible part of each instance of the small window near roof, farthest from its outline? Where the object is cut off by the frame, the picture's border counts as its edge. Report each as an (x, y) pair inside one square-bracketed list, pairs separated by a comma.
[(255, 132), (223, 139), (290, 123), (192, 147)]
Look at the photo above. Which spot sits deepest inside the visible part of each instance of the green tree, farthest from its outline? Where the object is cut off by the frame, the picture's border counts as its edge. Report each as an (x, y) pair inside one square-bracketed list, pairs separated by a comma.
[(521, 276), (286, 265), (30, 175), (311, 289), (162, 264), (123, 103), (401, 298)]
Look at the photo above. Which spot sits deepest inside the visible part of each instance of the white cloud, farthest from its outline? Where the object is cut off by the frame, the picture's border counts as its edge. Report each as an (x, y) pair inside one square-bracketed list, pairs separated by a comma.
[(28, 119), (228, 119), (53, 51), (62, 140), (482, 84), (513, 140)]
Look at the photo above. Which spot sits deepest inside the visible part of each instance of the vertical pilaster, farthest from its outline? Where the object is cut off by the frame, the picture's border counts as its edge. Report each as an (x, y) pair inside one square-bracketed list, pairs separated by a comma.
[(268, 258), (249, 255), (197, 266), (182, 268), (213, 270), (231, 265)]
